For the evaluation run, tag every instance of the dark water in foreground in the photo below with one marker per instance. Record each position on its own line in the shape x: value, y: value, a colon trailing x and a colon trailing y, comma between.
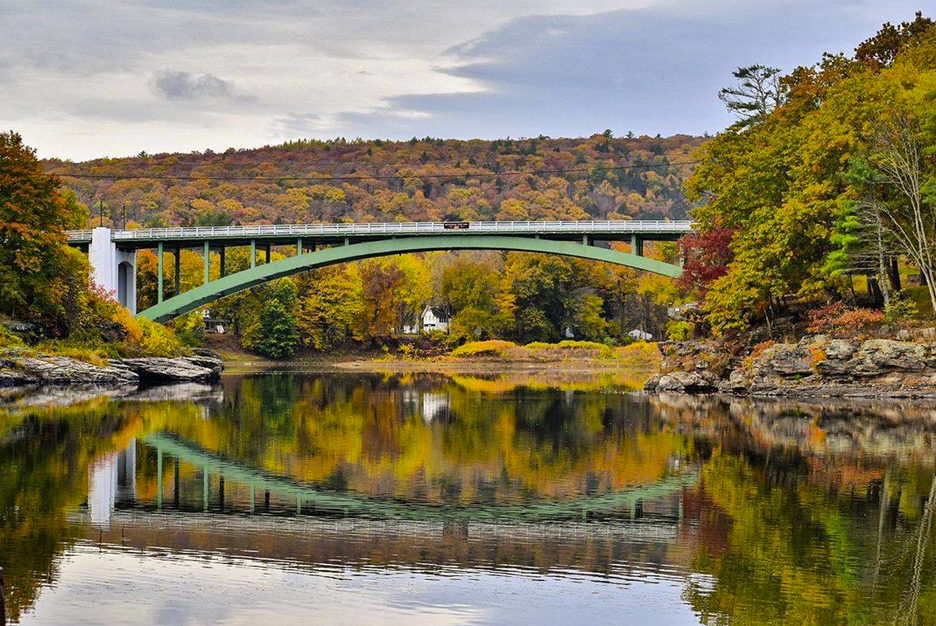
x: 367, y: 499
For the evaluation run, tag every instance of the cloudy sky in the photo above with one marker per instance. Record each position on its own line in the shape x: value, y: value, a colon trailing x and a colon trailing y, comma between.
x: 88, y: 78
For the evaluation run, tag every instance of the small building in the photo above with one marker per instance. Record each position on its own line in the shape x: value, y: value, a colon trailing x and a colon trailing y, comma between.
x: 434, y: 318
x: 639, y: 335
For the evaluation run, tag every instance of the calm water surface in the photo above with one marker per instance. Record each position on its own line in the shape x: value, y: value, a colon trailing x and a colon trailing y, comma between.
x: 425, y: 499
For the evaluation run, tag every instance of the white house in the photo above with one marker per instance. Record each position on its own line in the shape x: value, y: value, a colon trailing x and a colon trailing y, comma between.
x: 434, y: 318
x: 639, y: 335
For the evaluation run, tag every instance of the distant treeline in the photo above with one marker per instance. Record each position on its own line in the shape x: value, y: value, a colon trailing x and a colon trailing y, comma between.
x: 600, y: 177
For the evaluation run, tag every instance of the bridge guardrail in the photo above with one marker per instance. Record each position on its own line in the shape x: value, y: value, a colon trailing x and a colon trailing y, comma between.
x: 397, y: 228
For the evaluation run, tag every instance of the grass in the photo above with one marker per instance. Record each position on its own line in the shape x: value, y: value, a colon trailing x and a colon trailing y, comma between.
x: 640, y: 355
x: 79, y: 353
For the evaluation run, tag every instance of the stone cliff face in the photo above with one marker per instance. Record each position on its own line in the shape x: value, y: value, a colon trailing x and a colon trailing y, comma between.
x: 18, y: 369
x: 816, y: 366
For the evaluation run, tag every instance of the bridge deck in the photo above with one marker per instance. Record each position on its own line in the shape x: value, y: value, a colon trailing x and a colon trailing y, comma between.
x: 281, y: 234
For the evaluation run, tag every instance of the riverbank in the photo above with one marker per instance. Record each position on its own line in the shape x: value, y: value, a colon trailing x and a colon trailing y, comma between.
x: 498, y: 356
x: 478, y: 357
x: 813, y: 366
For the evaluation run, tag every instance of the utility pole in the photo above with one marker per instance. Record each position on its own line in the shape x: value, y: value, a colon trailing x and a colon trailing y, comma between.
x: 101, y: 211
x: 124, y: 227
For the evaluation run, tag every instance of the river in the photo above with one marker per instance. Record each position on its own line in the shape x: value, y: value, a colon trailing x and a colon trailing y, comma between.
x: 340, y: 498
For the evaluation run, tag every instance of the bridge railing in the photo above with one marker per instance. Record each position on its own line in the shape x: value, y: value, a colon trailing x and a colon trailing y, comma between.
x: 400, y: 228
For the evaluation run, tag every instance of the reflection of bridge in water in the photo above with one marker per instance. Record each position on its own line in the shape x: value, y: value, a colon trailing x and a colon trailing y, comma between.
x: 620, y: 534
x: 366, y: 506
x: 105, y: 478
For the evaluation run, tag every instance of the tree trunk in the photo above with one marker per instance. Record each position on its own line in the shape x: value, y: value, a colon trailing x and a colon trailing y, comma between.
x: 875, y: 291
x: 894, y: 273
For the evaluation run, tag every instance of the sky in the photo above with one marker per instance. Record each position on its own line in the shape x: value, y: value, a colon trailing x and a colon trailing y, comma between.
x: 81, y: 79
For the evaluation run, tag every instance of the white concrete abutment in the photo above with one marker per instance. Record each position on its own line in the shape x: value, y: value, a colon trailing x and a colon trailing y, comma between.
x: 113, y: 269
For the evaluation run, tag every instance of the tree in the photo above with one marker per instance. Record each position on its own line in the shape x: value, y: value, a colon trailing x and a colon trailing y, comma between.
x: 782, y: 185
x: 393, y: 289
x: 33, y: 215
x: 552, y: 294
x: 278, y: 334
x: 897, y: 152
x: 707, y: 255
x: 756, y: 94
x: 329, y: 307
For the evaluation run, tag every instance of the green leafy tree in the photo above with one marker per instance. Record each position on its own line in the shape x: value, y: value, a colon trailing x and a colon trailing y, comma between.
x: 278, y: 335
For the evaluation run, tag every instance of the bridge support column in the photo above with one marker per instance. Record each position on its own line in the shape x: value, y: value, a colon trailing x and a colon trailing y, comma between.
x: 269, y: 253
x: 159, y: 272
x: 253, y: 253
x: 223, y: 268
x: 299, y: 246
x: 636, y: 245
x: 586, y: 240
x: 207, y: 261
x: 113, y: 269
x: 178, y: 271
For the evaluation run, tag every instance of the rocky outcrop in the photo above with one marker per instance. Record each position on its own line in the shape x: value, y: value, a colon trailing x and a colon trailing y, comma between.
x: 17, y: 370
x: 814, y: 366
x: 683, y: 382
x: 21, y: 369
x: 182, y: 369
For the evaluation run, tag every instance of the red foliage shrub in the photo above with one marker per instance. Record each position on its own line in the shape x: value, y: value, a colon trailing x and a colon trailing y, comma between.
x: 839, y: 320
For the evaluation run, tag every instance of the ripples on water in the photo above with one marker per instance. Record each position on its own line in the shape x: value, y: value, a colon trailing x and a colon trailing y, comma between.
x: 369, y: 499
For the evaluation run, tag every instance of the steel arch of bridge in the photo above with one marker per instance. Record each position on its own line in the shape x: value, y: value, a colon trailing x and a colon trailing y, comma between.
x: 234, y: 283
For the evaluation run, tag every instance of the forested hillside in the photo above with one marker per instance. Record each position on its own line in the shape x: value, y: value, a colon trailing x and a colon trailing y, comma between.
x: 601, y: 177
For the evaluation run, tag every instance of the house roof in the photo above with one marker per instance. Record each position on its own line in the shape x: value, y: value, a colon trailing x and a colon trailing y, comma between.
x: 439, y: 312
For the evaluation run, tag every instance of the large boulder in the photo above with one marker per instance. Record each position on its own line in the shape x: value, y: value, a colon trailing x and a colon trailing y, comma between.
x: 686, y: 382
x: 159, y: 369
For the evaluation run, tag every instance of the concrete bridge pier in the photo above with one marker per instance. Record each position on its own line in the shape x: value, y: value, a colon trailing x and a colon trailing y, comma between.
x: 113, y: 269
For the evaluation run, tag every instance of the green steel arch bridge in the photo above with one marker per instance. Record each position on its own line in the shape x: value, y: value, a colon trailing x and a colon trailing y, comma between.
x: 113, y: 252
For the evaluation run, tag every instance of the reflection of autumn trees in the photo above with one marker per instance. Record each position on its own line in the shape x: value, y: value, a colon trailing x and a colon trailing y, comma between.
x: 800, y: 552
x: 44, y: 459
x: 373, y: 435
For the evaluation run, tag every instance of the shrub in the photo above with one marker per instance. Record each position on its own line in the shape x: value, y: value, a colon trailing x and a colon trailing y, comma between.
x: 571, y: 343
x: 158, y: 340
x: 494, y: 347
x: 899, y: 309
x: 8, y: 339
x: 567, y: 349
x: 190, y: 328
x: 678, y: 330
x: 839, y: 320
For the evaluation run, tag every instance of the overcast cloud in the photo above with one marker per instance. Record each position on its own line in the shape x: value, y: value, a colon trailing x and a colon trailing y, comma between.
x: 82, y: 78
